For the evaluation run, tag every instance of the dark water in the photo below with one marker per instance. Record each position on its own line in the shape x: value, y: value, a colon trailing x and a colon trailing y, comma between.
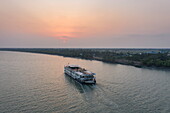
x: 36, y: 83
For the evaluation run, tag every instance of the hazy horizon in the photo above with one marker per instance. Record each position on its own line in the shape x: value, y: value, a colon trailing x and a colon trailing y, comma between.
x: 85, y: 24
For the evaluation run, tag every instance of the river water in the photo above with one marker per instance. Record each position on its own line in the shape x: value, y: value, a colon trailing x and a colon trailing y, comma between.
x: 36, y: 83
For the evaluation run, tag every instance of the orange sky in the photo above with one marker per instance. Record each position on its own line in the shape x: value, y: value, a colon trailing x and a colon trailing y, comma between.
x: 84, y: 22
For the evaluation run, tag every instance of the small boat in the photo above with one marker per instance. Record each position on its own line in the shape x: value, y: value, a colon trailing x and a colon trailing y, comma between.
x: 80, y: 74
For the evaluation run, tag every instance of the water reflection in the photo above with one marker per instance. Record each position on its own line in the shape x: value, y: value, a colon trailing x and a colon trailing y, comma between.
x: 41, y: 86
x: 82, y: 88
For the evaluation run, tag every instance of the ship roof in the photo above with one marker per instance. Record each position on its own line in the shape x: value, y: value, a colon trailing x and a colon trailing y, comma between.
x: 73, y: 65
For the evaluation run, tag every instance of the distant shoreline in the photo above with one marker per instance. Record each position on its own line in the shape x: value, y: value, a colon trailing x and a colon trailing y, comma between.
x: 152, y: 58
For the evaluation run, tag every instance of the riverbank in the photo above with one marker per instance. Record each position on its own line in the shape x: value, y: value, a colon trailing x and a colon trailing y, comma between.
x: 134, y: 57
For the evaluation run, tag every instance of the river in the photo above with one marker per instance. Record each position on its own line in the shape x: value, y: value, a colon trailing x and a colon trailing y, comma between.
x: 36, y: 83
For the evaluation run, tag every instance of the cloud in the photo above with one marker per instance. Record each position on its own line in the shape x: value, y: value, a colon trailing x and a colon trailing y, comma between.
x: 64, y: 39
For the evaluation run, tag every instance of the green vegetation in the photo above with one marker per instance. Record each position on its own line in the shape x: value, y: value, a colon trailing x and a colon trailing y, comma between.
x: 135, y: 57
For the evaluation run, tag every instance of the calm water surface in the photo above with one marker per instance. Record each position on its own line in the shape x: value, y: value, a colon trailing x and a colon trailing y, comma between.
x: 36, y: 83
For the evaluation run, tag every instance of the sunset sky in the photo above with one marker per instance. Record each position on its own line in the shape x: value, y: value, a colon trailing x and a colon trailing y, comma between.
x: 85, y: 23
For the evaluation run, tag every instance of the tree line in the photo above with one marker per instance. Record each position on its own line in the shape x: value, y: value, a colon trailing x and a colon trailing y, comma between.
x: 107, y: 55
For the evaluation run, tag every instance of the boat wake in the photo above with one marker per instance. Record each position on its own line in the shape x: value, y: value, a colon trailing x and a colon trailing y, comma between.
x: 93, y: 94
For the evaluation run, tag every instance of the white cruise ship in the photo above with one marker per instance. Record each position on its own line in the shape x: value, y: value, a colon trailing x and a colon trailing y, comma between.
x: 80, y: 74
